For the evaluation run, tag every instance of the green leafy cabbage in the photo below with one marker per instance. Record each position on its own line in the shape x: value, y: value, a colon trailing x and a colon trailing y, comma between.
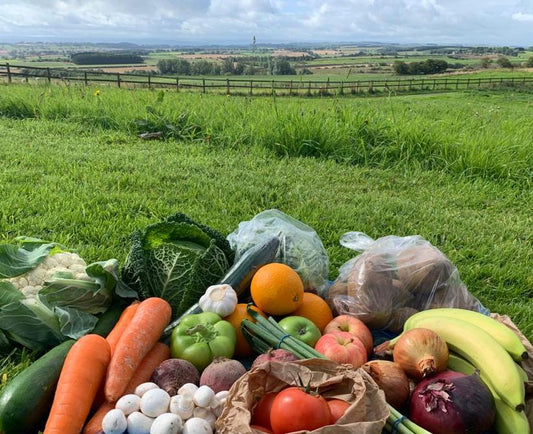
x: 176, y: 259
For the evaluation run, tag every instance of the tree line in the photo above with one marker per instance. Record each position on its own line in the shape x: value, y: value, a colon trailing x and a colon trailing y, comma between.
x: 230, y: 66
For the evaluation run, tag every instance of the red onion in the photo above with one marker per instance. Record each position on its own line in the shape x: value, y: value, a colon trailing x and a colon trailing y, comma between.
x: 453, y: 403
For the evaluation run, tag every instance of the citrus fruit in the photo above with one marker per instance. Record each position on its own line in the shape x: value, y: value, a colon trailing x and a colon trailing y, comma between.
x: 242, y: 347
x: 316, y: 309
x: 277, y: 289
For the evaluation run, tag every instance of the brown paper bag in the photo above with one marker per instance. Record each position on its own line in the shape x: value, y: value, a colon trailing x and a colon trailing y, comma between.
x: 367, y: 413
x: 526, y: 364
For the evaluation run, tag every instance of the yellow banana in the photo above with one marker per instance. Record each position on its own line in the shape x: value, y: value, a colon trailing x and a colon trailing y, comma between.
x: 480, y: 349
x: 500, y: 332
x: 508, y: 420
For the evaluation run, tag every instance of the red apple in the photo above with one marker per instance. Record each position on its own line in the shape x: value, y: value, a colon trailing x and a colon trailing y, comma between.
x: 342, y: 347
x: 353, y: 325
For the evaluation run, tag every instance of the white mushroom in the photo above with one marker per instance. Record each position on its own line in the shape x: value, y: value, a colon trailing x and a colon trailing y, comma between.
x: 139, y: 423
x: 129, y: 403
x: 167, y: 423
x: 114, y: 422
x: 155, y: 402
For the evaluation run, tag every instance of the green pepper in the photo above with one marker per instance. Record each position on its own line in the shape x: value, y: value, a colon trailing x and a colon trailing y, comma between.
x: 200, y: 338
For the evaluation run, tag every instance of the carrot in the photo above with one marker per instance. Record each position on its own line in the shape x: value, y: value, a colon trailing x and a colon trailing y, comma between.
x: 82, y: 372
x: 141, y: 334
x: 157, y: 354
x: 125, y: 318
x: 94, y: 425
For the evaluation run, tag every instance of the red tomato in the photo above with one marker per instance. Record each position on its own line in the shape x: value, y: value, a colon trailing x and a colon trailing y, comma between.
x: 293, y: 410
x: 261, y: 412
x: 337, y: 408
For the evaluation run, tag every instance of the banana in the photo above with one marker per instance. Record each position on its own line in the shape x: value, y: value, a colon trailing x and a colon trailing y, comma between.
x: 500, y: 332
x: 480, y: 349
x: 508, y: 421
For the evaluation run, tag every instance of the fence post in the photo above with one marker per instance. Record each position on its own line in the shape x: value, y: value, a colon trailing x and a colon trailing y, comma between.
x: 272, y: 84
x: 85, y: 78
x: 251, y: 87
x: 149, y: 80
x: 467, y: 83
x: 309, y: 88
x: 118, y: 79
x: 203, y: 85
x: 227, y: 87
x: 8, y: 72
x: 48, y: 75
x: 177, y: 84
x: 290, y: 88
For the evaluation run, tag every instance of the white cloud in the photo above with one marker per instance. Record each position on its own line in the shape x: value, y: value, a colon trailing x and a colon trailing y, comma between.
x: 522, y: 17
x: 503, y: 22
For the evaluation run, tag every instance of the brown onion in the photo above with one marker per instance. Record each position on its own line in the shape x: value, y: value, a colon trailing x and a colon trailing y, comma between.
x: 390, y: 378
x: 421, y: 353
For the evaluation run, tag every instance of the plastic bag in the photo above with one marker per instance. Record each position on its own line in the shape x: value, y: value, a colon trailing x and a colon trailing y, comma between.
x: 394, y: 278
x: 300, y: 245
x: 368, y: 409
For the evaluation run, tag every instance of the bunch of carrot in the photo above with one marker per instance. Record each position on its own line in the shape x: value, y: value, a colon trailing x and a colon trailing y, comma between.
x: 115, y: 365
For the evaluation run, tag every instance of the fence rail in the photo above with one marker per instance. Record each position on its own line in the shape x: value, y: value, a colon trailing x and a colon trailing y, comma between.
x: 236, y: 86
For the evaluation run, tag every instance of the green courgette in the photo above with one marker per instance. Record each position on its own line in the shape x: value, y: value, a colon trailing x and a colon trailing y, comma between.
x: 108, y: 320
x: 27, y: 398
x: 240, y: 273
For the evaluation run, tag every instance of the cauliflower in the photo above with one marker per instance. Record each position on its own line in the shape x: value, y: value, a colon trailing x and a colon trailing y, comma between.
x: 65, y: 262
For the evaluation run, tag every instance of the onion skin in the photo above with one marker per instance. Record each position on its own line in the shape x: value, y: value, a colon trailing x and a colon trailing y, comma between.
x: 421, y: 353
x: 453, y: 403
x: 390, y: 378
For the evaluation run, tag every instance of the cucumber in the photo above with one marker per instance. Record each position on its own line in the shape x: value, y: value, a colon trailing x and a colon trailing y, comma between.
x: 108, y: 320
x: 27, y: 398
x: 240, y: 273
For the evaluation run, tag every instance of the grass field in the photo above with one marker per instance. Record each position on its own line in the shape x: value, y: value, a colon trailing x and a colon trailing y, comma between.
x: 455, y: 168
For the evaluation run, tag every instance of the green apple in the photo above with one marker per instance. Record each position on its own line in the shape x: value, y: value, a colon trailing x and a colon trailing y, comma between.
x: 301, y: 328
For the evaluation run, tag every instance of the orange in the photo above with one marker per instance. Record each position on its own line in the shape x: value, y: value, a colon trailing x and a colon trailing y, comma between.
x: 316, y: 309
x: 277, y: 289
x: 242, y: 347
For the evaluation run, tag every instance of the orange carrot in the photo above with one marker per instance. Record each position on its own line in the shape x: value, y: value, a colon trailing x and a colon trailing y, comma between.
x: 143, y: 331
x: 157, y: 354
x: 125, y: 318
x: 84, y: 367
x: 94, y: 426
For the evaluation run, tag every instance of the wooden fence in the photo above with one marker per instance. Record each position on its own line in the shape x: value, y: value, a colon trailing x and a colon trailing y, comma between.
x: 236, y: 86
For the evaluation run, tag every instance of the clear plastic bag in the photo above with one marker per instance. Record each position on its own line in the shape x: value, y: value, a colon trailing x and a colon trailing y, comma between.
x: 394, y: 278
x: 300, y: 246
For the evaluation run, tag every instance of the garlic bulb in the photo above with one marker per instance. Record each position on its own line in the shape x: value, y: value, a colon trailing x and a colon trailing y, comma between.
x: 220, y: 299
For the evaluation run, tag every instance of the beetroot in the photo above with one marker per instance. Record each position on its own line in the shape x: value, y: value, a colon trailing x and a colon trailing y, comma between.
x: 221, y: 373
x: 279, y: 355
x: 453, y: 403
x: 171, y: 374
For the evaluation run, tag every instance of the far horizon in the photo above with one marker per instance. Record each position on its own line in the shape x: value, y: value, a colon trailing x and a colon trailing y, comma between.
x: 235, y: 22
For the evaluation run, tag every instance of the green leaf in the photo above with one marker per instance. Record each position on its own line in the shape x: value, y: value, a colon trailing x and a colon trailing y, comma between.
x: 15, y: 261
x: 9, y: 293
x: 75, y: 323
x: 31, y: 324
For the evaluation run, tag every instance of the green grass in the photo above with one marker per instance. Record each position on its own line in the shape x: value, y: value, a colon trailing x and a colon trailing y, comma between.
x: 453, y: 168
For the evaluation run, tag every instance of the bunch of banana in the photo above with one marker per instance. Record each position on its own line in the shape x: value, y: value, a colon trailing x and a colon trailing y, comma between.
x: 484, y: 344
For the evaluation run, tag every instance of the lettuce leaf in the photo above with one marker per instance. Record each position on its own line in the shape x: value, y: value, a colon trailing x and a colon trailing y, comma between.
x: 176, y: 259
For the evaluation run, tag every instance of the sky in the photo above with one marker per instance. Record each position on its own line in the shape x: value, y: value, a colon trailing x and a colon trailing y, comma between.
x: 184, y: 22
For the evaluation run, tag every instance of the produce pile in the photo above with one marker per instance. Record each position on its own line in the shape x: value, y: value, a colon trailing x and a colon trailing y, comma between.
x: 201, y: 333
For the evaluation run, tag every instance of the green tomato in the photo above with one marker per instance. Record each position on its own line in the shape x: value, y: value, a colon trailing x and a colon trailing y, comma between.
x: 301, y: 328
x: 199, y: 338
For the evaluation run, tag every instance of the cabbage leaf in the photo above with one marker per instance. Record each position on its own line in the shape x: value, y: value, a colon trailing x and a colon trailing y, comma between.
x: 176, y: 259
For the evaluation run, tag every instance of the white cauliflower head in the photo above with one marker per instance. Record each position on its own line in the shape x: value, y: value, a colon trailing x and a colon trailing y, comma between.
x: 32, y: 282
